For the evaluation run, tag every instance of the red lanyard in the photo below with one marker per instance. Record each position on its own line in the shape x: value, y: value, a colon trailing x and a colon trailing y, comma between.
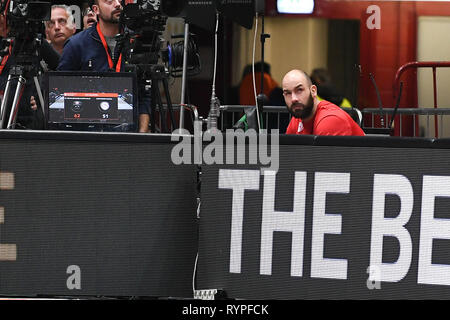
x: 105, y: 45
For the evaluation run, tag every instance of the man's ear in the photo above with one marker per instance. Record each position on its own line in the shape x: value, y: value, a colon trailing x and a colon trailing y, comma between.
x: 95, y: 8
x: 313, y: 91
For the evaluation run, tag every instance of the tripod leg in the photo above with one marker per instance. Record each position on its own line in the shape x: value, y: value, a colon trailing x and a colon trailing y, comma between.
x: 160, y: 107
x: 15, y: 106
x: 152, y: 111
x: 5, y: 102
x: 169, y: 103
x: 39, y: 92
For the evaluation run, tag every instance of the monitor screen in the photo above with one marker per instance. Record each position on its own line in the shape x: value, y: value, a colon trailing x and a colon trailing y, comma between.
x: 295, y: 6
x: 91, y: 98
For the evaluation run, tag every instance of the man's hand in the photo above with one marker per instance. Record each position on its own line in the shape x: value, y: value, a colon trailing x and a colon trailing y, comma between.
x: 144, y: 120
x: 33, y: 103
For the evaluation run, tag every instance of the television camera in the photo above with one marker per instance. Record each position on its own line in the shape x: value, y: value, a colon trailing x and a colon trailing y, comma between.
x: 24, y: 38
x: 25, y: 28
x: 141, y: 42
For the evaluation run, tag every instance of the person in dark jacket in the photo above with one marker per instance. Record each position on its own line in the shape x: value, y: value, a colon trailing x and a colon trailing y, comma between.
x: 94, y: 49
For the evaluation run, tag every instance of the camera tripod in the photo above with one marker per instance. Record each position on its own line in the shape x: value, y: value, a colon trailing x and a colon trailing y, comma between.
x: 155, y: 76
x: 22, y: 74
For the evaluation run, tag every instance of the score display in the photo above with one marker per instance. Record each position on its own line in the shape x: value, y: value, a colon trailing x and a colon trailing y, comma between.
x: 81, y: 106
x: 83, y: 97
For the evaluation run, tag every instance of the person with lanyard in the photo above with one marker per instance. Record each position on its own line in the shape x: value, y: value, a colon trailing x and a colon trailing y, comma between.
x: 94, y: 49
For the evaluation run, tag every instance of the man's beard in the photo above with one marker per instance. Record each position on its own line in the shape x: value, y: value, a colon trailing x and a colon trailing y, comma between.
x: 110, y: 19
x: 306, y: 110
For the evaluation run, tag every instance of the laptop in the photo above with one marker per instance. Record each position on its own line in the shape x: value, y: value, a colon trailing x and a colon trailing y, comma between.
x: 92, y: 101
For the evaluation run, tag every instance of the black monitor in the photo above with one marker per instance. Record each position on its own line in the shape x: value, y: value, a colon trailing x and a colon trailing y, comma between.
x: 95, y: 101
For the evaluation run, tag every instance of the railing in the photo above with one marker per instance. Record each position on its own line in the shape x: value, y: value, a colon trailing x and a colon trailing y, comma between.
x: 230, y: 114
x: 278, y: 117
x: 416, y: 113
x: 175, y: 108
x: 422, y: 64
x: 274, y: 117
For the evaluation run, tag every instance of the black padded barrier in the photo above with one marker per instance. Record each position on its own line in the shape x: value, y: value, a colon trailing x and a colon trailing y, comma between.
x: 95, y: 214
x: 109, y: 214
x: 342, y: 218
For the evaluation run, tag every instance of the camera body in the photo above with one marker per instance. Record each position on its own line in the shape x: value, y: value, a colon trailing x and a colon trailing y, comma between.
x: 147, y: 23
x: 26, y: 17
x: 25, y: 28
x: 147, y: 19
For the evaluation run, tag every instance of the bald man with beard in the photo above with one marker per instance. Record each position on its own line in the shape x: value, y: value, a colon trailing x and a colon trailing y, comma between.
x: 311, y: 116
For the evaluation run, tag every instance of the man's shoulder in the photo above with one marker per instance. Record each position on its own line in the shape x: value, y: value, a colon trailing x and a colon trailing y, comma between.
x: 81, y: 37
x: 327, y: 105
x: 325, y: 108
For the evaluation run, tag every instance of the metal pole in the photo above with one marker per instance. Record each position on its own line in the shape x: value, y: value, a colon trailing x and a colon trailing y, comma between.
x: 15, y: 106
x: 39, y: 92
x: 5, y: 101
x: 183, y: 78
x: 435, y: 103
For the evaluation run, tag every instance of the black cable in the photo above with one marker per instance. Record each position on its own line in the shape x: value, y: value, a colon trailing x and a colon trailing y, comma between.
x: 177, y: 56
x: 397, y: 104
x: 380, y: 104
